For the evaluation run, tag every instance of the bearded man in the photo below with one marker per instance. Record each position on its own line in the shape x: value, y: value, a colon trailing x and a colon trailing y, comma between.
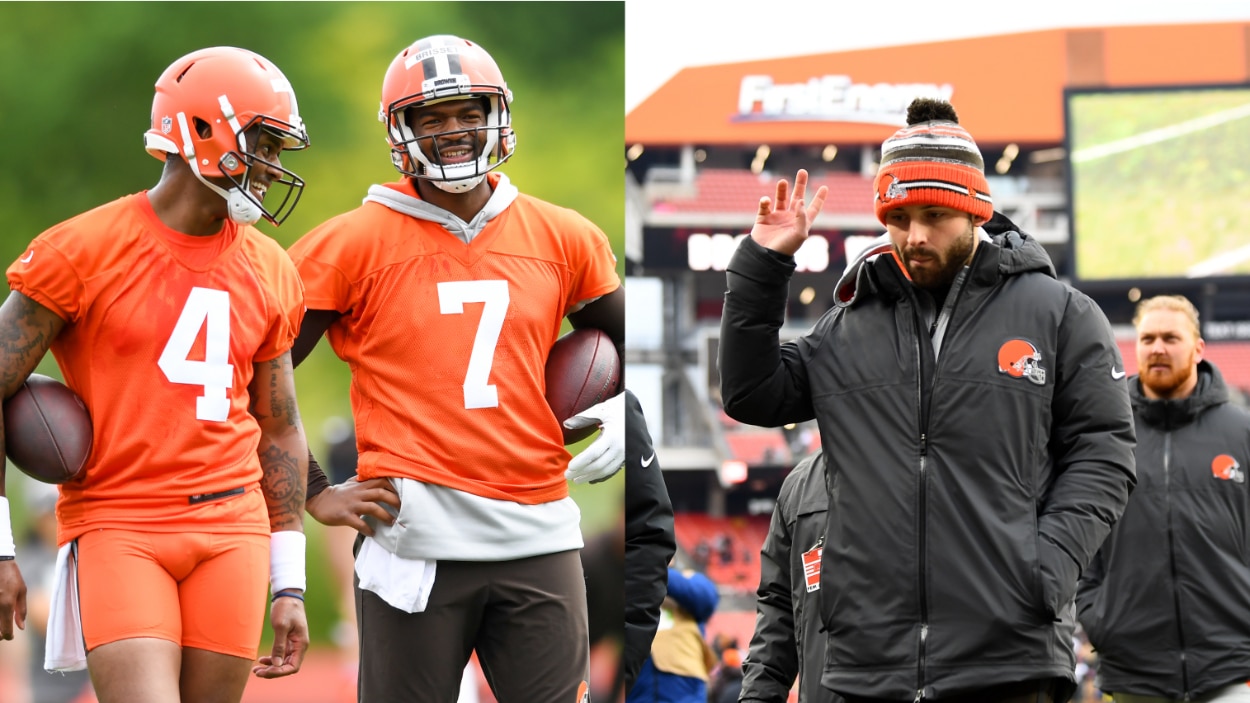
x: 1166, y: 601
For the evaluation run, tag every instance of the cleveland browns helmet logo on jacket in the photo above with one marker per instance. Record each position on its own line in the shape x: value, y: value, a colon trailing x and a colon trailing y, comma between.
x: 1020, y: 359
x: 1227, y: 468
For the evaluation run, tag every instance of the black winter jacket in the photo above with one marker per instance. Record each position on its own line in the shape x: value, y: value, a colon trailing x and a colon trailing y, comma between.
x: 972, y: 486
x: 649, y: 541
x: 788, y: 642
x: 1166, y: 601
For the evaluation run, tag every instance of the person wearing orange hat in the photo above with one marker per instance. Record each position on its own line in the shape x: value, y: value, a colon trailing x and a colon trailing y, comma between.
x: 981, y: 437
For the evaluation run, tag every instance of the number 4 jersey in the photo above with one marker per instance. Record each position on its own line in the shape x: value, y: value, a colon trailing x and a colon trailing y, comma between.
x: 448, y: 340
x: 162, y: 331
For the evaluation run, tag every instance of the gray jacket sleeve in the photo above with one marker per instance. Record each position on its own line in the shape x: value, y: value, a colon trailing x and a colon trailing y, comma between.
x: 1092, y: 441
x: 772, y: 662
x: 763, y: 382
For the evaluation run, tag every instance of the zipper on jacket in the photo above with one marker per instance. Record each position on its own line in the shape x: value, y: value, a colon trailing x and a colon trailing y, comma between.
x: 921, y: 537
x: 1176, y: 597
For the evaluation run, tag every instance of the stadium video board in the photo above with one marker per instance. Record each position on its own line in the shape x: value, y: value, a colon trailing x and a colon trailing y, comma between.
x: 1159, y: 182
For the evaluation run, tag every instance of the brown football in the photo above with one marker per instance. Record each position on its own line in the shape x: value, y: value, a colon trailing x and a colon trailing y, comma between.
x: 47, y: 431
x: 583, y: 369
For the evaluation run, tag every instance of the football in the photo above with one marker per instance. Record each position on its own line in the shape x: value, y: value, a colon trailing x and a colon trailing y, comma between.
x: 583, y: 369
x: 47, y: 431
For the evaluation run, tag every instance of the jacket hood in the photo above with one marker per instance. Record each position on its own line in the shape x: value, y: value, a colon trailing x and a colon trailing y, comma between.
x: 1210, y: 391
x: 1006, y: 251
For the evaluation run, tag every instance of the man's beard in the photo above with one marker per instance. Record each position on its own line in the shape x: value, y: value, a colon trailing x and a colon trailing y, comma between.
x: 1165, y: 383
x: 940, y: 269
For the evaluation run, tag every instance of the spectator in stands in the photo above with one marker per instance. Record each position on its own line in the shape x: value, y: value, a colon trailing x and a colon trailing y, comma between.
x: 681, y: 660
x: 1166, y: 601
x: 979, y: 417
x: 725, y: 548
x: 650, y: 542
x: 726, y: 684
x: 702, y: 554
x: 788, y: 642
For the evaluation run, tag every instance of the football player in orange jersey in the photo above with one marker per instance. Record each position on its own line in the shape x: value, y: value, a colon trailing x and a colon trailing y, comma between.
x: 444, y: 292
x: 173, y: 319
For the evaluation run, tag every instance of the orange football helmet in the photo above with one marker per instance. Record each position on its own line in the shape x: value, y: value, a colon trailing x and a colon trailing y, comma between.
x: 438, y: 68
x: 206, y: 106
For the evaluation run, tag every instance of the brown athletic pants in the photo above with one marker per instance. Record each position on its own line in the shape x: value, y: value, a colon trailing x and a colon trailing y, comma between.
x: 526, y: 619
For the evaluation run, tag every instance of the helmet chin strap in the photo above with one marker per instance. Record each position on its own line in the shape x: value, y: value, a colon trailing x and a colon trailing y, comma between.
x: 461, y: 186
x: 241, y: 208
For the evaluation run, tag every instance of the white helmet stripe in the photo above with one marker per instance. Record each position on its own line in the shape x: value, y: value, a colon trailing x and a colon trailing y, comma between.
x: 282, y: 85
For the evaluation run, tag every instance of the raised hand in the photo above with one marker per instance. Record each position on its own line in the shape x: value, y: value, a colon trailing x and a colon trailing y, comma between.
x: 782, y: 223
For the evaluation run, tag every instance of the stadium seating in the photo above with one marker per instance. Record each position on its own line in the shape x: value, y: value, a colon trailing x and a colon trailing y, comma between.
x: 737, y: 191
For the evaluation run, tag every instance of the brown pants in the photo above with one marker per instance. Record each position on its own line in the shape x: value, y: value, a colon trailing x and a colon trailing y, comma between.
x: 526, y: 619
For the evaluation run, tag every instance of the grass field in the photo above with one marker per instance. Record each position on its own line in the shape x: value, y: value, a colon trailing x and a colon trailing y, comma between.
x: 1161, y: 183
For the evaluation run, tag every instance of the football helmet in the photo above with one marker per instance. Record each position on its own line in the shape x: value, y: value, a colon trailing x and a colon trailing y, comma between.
x: 435, y: 69
x: 211, y: 107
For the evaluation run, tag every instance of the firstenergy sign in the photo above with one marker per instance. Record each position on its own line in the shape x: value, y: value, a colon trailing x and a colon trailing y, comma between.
x: 831, y: 98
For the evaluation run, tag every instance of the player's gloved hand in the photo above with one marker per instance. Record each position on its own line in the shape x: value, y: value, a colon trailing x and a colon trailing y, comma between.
x: 606, y: 455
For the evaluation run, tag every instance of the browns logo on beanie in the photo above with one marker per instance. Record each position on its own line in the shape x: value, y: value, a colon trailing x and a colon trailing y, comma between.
x: 932, y: 161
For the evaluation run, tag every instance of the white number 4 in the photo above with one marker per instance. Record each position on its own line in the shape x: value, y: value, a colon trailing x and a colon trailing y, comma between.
x: 209, y: 308
x: 452, y: 295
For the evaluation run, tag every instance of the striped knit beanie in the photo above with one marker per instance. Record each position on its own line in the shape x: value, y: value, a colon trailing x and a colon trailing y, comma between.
x: 932, y: 161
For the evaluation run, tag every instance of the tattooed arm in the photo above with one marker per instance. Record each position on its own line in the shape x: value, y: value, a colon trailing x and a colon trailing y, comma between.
x: 284, y: 459
x: 283, y: 448
x: 26, y: 331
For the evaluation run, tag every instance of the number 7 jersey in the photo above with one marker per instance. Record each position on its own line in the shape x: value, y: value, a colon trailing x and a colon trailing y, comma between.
x: 162, y: 330
x: 447, y: 341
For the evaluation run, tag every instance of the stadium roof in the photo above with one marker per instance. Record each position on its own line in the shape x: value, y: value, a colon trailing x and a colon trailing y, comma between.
x: 1007, y: 88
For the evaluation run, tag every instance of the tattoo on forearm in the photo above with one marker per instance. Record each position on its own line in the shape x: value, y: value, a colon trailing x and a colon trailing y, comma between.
x: 25, y: 342
x: 284, y: 486
x: 283, y: 376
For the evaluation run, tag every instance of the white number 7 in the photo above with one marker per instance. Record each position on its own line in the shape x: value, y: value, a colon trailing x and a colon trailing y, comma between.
x: 452, y: 296
x: 205, y: 307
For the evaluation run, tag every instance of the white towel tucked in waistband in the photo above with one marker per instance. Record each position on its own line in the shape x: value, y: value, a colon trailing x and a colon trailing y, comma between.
x: 65, y: 649
x: 403, y: 583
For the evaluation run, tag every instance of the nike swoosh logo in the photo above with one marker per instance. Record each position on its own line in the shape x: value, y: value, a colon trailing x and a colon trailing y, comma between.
x: 647, y: 462
x: 26, y: 259
x: 1117, y: 375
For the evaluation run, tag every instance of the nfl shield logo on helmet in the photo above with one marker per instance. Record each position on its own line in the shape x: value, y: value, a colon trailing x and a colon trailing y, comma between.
x: 167, y: 124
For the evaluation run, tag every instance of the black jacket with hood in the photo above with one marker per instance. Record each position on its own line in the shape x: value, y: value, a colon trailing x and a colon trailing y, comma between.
x: 982, y: 454
x: 788, y: 642
x: 1166, y: 601
x: 649, y: 541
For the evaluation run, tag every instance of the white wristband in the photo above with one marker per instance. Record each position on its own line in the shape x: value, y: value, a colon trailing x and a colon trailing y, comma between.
x: 6, y: 530
x: 286, y: 560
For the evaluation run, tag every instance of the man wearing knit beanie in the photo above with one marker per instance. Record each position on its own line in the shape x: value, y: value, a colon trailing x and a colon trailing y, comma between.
x: 932, y: 172
x: 976, y: 418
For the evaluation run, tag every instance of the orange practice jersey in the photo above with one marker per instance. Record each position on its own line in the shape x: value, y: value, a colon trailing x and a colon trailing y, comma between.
x: 162, y: 331
x: 447, y: 342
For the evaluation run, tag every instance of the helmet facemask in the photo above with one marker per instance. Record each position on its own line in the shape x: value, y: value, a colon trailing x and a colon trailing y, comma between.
x: 493, y: 144
x: 237, y: 166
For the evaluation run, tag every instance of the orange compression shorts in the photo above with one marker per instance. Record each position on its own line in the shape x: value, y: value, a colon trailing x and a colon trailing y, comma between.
x: 195, y: 589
